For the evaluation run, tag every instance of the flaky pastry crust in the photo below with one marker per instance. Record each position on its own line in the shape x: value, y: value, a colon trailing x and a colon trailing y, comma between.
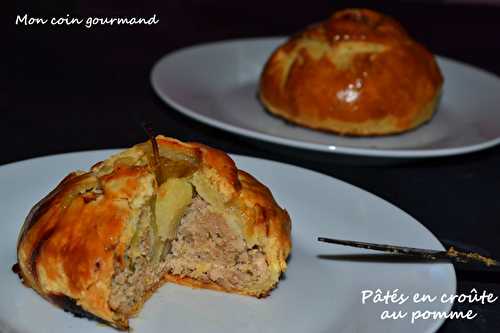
x: 357, y: 73
x: 73, y: 239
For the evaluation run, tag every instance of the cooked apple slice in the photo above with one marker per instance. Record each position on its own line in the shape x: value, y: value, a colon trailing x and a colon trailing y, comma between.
x: 173, y: 197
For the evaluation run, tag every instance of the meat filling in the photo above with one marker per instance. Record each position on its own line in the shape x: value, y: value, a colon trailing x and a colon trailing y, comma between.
x: 206, y: 248
x: 132, y: 283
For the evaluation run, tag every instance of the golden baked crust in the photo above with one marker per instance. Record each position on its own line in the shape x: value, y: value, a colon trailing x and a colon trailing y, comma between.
x: 74, y: 239
x: 358, y: 73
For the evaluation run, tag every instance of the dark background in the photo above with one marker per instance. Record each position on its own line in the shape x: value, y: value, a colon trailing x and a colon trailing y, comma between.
x: 72, y: 89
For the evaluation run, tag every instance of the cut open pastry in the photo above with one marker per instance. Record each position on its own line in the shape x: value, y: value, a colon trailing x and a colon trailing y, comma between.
x: 103, y: 241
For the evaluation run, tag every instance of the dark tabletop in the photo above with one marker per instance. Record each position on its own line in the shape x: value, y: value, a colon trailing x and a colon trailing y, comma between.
x: 72, y: 89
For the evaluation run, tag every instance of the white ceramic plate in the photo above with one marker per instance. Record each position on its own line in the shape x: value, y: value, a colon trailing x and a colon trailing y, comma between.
x: 316, y: 295
x: 217, y: 85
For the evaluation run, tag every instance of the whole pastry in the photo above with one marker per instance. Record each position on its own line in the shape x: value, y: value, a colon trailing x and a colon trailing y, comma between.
x: 357, y: 73
x: 103, y: 241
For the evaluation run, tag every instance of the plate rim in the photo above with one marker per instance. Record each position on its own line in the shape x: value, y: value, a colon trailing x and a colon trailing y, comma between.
x: 434, y: 325
x: 369, y: 152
